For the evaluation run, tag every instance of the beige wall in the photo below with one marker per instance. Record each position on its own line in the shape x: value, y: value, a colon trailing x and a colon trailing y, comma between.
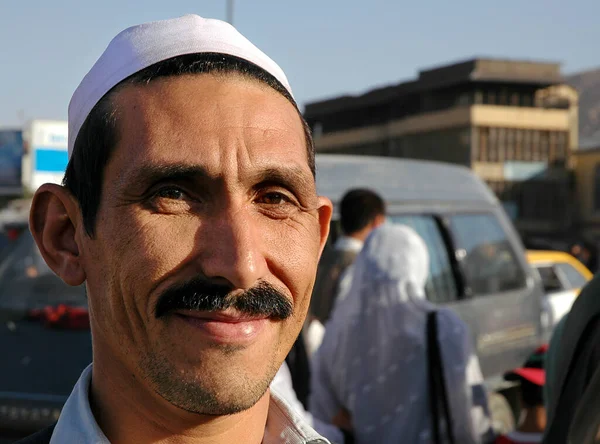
x: 477, y: 115
x: 489, y: 170
x: 521, y: 118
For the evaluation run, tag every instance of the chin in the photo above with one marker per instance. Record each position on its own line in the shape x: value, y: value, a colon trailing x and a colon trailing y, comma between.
x: 221, y: 383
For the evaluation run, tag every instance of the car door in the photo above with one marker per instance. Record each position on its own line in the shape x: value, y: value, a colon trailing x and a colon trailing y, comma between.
x: 557, y: 290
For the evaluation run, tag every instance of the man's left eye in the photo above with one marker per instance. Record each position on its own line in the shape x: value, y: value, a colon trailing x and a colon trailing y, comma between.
x: 275, y: 198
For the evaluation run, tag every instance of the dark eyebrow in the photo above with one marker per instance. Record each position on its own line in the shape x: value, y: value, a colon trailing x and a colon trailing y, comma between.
x: 150, y: 174
x: 291, y: 177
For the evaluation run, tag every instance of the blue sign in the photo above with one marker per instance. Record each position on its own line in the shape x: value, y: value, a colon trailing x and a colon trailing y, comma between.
x: 11, y: 154
x: 51, y: 160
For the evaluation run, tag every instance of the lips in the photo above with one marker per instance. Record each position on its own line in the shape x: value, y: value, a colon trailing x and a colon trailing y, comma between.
x: 228, y: 327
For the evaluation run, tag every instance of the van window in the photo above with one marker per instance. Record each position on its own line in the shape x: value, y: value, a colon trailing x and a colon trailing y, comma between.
x: 489, y: 262
x: 440, y: 286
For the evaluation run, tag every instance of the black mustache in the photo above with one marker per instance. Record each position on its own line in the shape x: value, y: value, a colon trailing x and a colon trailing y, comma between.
x: 199, y: 295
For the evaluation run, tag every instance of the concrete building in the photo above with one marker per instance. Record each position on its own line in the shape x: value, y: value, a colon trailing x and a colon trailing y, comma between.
x: 586, y: 165
x: 513, y: 122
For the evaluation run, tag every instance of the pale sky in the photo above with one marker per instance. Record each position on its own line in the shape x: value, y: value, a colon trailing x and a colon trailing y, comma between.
x: 326, y: 48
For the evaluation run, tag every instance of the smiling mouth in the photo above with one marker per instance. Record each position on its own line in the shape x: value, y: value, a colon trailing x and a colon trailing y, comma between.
x: 227, y: 327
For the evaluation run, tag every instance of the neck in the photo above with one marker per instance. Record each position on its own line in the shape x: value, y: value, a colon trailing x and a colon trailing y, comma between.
x: 128, y: 411
x: 359, y: 235
x: 534, y: 420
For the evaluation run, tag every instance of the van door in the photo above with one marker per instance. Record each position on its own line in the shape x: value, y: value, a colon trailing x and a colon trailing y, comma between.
x: 504, y: 307
x: 475, y: 270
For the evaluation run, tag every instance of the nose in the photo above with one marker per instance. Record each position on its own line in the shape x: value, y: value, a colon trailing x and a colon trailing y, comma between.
x: 233, y: 250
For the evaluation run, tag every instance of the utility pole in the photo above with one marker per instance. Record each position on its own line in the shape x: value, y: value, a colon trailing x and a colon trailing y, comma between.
x: 230, y: 11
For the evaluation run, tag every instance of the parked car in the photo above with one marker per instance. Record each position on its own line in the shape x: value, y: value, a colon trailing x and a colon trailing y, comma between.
x: 40, y: 363
x: 562, y: 278
x: 478, y: 266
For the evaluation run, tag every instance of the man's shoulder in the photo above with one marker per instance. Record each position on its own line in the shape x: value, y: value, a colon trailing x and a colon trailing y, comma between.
x: 41, y: 437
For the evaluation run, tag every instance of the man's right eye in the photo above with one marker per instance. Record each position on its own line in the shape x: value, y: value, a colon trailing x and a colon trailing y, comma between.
x: 173, y: 193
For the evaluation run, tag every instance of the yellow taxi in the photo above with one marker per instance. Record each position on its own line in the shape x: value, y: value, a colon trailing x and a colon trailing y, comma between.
x: 562, y: 277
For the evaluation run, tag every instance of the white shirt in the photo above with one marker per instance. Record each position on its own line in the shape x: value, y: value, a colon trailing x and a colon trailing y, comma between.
x: 346, y: 243
x: 78, y: 425
x: 282, y: 383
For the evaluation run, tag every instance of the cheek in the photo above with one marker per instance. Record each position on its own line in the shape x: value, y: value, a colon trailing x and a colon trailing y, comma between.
x: 139, y: 251
x: 293, y: 257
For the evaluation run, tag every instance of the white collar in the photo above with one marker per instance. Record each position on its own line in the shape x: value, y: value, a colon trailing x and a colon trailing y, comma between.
x: 347, y: 243
x: 77, y: 422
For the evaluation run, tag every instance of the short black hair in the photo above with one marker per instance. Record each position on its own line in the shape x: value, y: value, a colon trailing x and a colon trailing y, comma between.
x: 97, y: 137
x: 531, y: 394
x: 359, y: 207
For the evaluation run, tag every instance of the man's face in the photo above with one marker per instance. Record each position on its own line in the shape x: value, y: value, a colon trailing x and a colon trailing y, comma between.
x: 208, y: 191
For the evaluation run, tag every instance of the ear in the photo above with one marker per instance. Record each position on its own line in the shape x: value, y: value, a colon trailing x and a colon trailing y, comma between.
x: 325, y: 213
x: 53, y: 222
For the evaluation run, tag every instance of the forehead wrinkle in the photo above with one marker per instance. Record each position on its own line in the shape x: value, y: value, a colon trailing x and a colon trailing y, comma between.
x: 285, y: 134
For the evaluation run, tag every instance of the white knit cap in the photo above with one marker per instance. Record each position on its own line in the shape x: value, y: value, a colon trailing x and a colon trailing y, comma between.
x: 141, y: 46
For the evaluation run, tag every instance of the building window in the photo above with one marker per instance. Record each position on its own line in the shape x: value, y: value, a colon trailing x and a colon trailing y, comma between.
x: 544, y: 145
x: 463, y: 99
x: 503, y: 97
x: 493, y: 148
x: 562, y: 146
x: 514, y: 99
x: 597, y: 189
x: 484, y: 141
x: 501, y: 144
x: 552, y: 147
x: 510, y: 144
x: 527, y: 142
x: 535, y: 147
x: 479, y: 97
x: 519, y: 144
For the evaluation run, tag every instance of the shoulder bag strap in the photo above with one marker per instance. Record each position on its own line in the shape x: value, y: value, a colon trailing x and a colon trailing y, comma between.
x: 437, y: 383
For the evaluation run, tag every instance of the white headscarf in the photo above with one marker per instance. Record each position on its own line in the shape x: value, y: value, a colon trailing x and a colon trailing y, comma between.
x: 373, y: 360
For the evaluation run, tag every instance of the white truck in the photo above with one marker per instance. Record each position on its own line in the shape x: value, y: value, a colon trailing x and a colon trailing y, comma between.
x: 45, y: 154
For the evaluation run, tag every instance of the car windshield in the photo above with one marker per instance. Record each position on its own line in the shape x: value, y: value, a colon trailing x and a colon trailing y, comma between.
x: 26, y: 282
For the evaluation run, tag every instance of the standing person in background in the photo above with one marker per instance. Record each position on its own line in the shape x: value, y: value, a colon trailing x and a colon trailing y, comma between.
x: 584, y: 253
x: 532, y: 378
x: 376, y: 361
x: 361, y: 211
